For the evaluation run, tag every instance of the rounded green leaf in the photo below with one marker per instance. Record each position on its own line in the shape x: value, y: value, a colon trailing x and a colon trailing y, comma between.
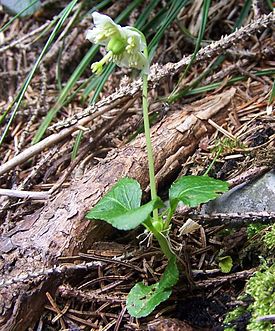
x: 225, y: 264
x: 121, y: 208
x: 142, y: 299
x: 194, y: 190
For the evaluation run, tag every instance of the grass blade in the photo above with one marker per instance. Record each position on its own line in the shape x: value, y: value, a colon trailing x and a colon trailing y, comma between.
x: 27, y: 81
x: 231, y: 81
x: 186, y: 91
x: 205, y: 10
x: 140, y: 22
x: 17, y: 15
x: 77, y: 144
x: 171, y: 15
x: 243, y: 14
x: 270, y: 4
x: 107, y: 72
x: 71, y: 82
x: 272, y: 94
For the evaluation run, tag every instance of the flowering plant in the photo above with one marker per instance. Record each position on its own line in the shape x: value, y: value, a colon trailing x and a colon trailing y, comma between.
x: 121, y: 206
x: 126, y: 46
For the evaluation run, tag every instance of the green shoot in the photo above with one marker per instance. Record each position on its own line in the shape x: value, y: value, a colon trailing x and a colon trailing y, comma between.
x: 225, y: 264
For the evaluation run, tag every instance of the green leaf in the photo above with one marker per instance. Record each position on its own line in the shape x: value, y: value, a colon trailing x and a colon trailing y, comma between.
x: 225, y: 264
x: 142, y: 299
x: 121, y: 208
x: 194, y: 190
x: 171, y: 274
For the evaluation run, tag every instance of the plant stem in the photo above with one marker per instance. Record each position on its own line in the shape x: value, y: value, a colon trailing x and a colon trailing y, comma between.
x: 168, y: 218
x: 213, y: 161
x: 164, y: 245
x: 148, y: 140
x: 162, y: 240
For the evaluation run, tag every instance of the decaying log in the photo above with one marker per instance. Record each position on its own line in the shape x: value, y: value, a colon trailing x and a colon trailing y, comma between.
x: 60, y: 227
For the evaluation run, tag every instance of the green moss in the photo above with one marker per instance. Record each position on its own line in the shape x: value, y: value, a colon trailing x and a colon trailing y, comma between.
x: 226, y: 145
x: 254, y: 228
x: 260, y: 289
x: 233, y: 317
x: 269, y: 238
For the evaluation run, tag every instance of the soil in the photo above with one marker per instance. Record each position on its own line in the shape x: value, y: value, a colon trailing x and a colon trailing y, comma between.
x: 241, y: 145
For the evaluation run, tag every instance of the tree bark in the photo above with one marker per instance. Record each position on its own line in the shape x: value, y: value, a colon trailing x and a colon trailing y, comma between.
x: 60, y: 227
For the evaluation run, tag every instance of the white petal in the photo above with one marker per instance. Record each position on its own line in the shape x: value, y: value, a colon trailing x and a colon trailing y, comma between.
x: 142, y: 63
x: 105, y: 22
x: 126, y: 61
x: 92, y: 36
x: 122, y: 61
x: 138, y: 38
x: 101, y: 20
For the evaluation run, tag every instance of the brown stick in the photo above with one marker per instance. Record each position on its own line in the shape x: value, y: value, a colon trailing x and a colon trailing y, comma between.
x: 157, y: 73
x: 60, y: 228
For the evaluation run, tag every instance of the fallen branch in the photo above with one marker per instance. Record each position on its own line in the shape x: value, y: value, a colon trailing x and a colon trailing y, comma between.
x: 60, y: 229
x: 24, y: 194
x: 157, y: 74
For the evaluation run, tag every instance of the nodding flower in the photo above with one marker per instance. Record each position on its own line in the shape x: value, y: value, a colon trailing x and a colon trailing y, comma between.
x: 126, y: 46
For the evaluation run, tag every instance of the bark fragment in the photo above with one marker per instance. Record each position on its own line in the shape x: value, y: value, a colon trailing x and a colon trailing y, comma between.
x: 60, y: 227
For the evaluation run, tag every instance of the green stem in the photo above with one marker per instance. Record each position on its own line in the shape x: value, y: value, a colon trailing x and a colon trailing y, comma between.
x: 148, y: 139
x: 169, y: 217
x: 164, y: 245
x: 213, y: 161
x: 163, y: 241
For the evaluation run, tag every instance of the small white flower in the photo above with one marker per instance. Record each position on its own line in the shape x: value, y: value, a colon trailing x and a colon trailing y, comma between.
x: 126, y: 46
x: 103, y: 30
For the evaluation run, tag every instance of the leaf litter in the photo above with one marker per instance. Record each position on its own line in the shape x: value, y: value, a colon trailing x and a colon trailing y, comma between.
x: 96, y: 299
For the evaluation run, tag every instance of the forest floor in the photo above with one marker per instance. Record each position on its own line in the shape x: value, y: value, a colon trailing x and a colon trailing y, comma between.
x: 239, y: 149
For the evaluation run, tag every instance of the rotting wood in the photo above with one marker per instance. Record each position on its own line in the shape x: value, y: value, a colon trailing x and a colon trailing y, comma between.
x: 60, y: 229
